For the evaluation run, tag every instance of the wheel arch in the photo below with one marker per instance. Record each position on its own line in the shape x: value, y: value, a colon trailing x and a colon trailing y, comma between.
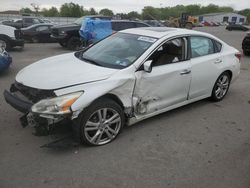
x: 229, y: 72
x: 114, y: 98
x: 7, y: 40
x: 2, y: 36
x: 212, y: 97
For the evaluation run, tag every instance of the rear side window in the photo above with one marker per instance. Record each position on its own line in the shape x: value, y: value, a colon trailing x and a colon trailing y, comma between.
x: 218, y: 46
x: 140, y: 25
x: 118, y: 26
x: 201, y: 46
x: 28, y: 20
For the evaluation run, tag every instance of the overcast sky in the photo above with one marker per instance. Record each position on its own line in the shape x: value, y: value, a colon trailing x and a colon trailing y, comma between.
x: 120, y: 5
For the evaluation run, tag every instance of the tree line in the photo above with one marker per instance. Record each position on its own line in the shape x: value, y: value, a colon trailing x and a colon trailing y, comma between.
x: 148, y: 12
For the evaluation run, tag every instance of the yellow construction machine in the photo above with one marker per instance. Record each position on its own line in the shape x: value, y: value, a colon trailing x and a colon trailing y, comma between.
x: 185, y: 21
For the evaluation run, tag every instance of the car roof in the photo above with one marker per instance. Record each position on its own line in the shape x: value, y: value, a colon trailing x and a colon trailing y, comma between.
x: 37, y: 25
x: 42, y: 24
x: 131, y: 21
x: 159, y: 32
x: 127, y: 21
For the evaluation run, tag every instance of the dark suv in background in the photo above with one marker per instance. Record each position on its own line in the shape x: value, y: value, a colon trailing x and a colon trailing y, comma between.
x: 23, y: 22
x: 246, y: 44
x: 68, y: 35
x: 237, y: 27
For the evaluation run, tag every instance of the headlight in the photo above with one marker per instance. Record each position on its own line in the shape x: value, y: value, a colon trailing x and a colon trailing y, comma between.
x: 57, y: 106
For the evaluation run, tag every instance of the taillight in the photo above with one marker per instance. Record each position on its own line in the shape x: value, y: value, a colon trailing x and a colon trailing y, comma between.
x: 238, y: 55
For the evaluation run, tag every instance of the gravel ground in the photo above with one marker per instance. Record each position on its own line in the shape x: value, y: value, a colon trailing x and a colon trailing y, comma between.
x: 200, y: 145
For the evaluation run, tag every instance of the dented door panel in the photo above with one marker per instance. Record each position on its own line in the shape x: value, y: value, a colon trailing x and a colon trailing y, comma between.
x: 163, y: 87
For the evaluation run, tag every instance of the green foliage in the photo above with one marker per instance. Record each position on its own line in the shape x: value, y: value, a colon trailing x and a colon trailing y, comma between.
x: 133, y: 15
x: 92, y: 11
x: 26, y: 10
x: 106, y: 12
x: 151, y: 13
x: 52, y: 12
x: 148, y: 13
x: 176, y: 11
x: 71, y: 10
x: 245, y: 12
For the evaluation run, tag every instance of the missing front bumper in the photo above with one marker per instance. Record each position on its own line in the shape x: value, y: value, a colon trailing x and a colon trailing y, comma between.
x: 43, y: 125
x: 17, y: 103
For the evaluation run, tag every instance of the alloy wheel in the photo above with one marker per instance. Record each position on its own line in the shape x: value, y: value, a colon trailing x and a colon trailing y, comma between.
x: 3, y: 44
x: 222, y: 86
x: 102, y: 126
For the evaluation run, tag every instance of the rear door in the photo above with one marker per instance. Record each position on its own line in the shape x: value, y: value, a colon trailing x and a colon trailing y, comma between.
x: 205, y: 63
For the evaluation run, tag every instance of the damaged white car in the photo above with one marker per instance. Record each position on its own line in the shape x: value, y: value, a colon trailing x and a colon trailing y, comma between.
x: 130, y: 76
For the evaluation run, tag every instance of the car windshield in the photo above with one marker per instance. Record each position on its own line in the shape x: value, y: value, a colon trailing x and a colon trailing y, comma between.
x: 118, y: 51
x: 79, y: 21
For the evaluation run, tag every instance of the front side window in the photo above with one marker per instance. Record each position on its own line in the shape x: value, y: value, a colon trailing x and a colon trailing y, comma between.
x: 42, y: 28
x: 118, y: 51
x: 19, y: 21
x: 36, y: 21
x: 201, y: 46
x: 172, y: 51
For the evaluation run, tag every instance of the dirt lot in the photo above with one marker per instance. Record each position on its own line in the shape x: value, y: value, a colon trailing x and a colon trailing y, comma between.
x: 200, y: 145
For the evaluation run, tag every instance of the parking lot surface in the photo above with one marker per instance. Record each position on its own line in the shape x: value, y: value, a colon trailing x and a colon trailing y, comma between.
x: 204, y: 144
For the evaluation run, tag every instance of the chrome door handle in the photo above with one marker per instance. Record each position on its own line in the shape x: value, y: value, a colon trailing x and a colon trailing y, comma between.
x: 217, y: 61
x: 185, y: 72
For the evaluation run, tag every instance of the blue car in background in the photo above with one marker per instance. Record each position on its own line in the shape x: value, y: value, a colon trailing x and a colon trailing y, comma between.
x: 5, y: 60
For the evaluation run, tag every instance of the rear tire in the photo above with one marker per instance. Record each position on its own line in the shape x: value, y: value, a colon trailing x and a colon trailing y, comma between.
x: 100, y: 123
x: 221, y: 87
x: 63, y: 44
x: 246, y: 53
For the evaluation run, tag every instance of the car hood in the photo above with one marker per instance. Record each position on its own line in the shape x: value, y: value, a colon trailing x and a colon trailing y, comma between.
x: 61, y: 71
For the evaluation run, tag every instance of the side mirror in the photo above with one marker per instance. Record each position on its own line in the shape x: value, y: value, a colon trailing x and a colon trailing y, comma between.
x: 148, y: 66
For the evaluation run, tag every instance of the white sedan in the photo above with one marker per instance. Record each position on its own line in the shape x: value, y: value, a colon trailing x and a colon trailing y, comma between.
x: 130, y: 76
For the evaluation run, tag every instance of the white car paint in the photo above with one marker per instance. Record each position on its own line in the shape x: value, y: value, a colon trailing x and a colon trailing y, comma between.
x: 63, y: 71
x: 7, y: 30
x: 142, y: 94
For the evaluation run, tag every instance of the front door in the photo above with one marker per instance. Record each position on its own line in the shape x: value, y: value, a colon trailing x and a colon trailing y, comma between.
x: 169, y: 81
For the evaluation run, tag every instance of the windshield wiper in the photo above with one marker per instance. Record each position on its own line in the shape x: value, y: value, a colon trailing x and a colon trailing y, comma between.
x: 90, y: 61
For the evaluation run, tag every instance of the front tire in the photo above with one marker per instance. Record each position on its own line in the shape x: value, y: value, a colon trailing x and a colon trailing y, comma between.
x: 100, y: 123
x: 74, y: 43
x: 4, y: 43
x: 35, y: 40
x: 221, y: 87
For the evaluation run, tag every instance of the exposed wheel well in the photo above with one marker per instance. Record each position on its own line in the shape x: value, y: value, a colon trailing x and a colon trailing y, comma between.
x: 4, y: 36
x: 114, y: 98
x: 230, y: 73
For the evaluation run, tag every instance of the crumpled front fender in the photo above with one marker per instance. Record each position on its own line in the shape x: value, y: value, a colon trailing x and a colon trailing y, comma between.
x: 121, y: 86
